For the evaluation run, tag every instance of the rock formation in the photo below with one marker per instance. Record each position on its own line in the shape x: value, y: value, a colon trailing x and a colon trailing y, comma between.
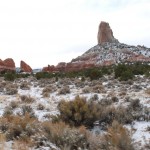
x: 49, y: 68
x: 9, y: 62
x: 108, y: 52
x: 25, y: 67
x: 105, y: 33
x: 7, y: 65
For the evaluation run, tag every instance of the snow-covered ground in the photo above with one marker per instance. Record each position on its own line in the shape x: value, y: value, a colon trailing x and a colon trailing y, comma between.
x: 112, y: 87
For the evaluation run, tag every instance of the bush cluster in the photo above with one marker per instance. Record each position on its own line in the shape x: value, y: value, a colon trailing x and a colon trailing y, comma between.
x: 127, y: 71
x: 81, y: 112
x: 78, y: 112
x: 28, y: 131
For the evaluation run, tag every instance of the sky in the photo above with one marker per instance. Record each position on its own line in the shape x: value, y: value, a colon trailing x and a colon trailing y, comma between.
x: 43, y: 32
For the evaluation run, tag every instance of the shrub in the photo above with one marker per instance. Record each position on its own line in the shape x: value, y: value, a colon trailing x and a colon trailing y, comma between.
x: 98, y: 89
x: 64, y: 136
x: 117, y: 138
x: 123, y: 116
x: 148, y: 128
x: 147, y: 91
x: 46, y: 91
x: 94, y: 97
x: 40, y: 107
x: 78, y: 112
x: 8, y: 111
x: 10, y: 76
x: 126, y: 75
x: 105, y: 102
x: 93, y: 74
x: 123, y: 72
x: 86, y: 90
x: 13, y: 104
x: 11, y: 89
x: 114, y: 99
x: 27, y: 99
x: 46, y: 94
x: 120, y: 114
x: 27, y: 109
x: 25, y: 85
x: 19, y: 127
x: 2, y: 85
x: 135, y: 105
x: 64, y: 90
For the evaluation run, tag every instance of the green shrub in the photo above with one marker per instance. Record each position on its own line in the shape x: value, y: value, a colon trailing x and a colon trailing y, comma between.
x: 10, y: 76
x: 126, y: 75
x: 123, y: 72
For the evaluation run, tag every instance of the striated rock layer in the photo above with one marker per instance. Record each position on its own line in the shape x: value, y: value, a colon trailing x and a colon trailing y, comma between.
x: 25, y: 67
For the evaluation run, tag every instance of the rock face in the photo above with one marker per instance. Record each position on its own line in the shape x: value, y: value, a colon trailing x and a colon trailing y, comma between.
x: 7, y: 65
x: 105, y: 34
x: 25, y: 67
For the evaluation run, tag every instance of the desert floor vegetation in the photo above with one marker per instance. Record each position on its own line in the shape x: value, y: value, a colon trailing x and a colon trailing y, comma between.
x: 94, y: 109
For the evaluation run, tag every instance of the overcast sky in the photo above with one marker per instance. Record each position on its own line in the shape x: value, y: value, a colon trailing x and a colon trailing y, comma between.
x: 43, y: 32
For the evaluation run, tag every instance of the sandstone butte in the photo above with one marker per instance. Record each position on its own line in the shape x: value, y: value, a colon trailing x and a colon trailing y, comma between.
x: 7, y: 65
x: 25, y: 67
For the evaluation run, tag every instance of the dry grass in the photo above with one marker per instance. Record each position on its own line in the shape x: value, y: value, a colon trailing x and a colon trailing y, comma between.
x: 86, y: 89
x: 27, y: 99
x: 117, y: 138
x: 11, y: 89
x: 16, y: 127
x: 98, y: 89
x: 64, y: 90
x: 13, y: 104
x: 2, y: 141
x: 21, y: 145
x: 25, y: 85
x: 40, y: 107
x: 147, y: 91
x: 64, y: 136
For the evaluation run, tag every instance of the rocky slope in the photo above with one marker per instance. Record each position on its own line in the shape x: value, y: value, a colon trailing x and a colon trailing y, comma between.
x: 113, y: 53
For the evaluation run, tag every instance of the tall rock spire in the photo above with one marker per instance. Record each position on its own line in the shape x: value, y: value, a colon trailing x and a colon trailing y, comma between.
x: 105, y: 33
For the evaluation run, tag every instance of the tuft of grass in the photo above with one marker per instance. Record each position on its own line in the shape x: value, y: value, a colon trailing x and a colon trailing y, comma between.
x: 27, y: 99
